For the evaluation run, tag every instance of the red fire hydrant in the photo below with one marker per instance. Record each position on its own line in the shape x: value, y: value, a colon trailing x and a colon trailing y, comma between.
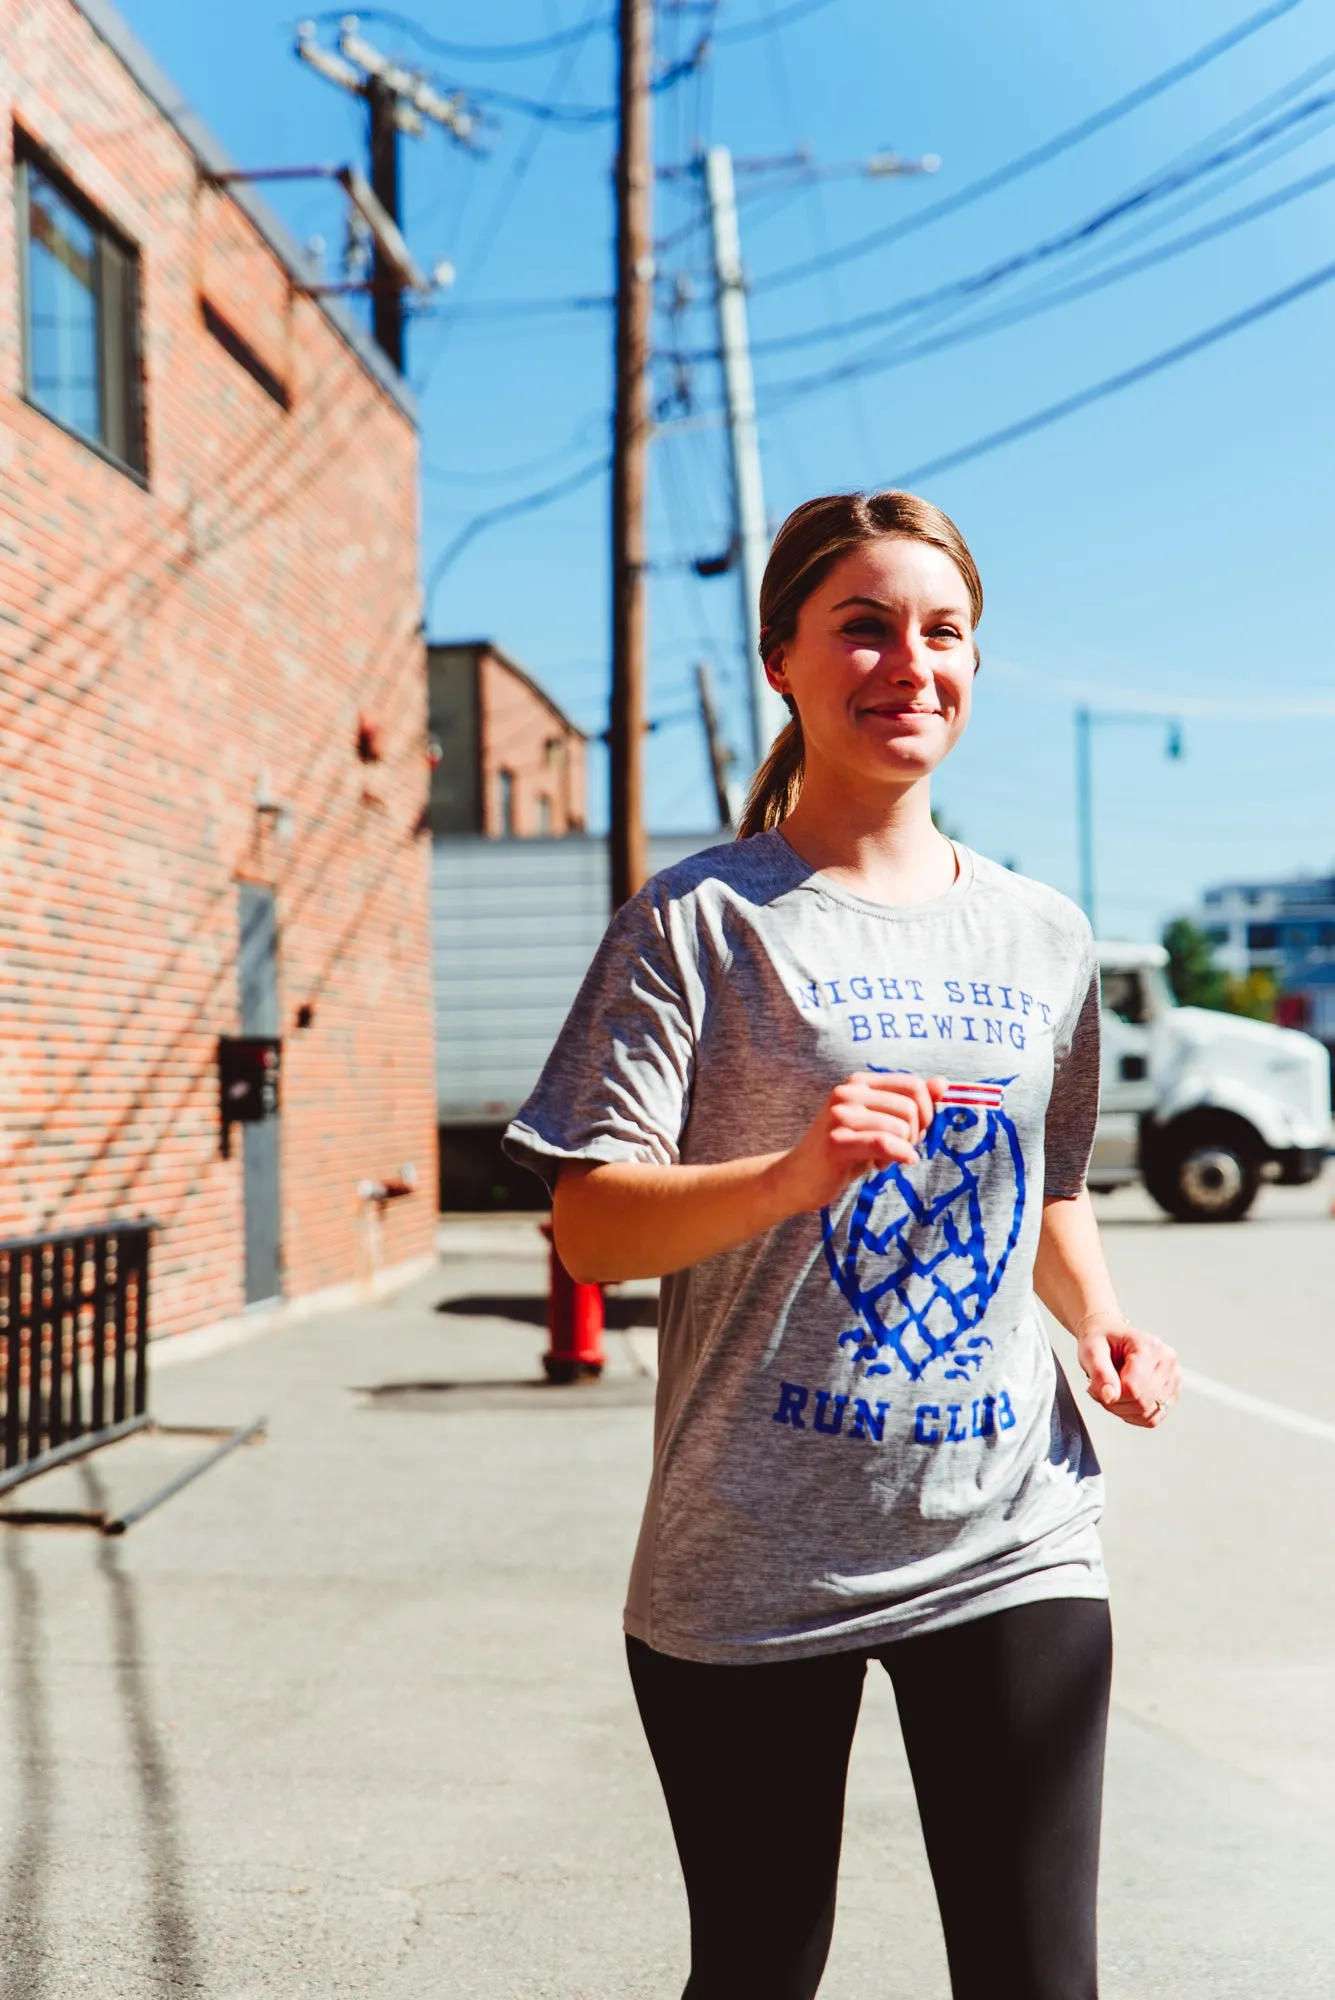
x: 574, y: 1324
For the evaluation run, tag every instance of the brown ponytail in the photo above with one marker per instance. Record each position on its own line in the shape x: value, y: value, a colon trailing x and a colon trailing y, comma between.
x: 811, y: 541
x: 777, y: 785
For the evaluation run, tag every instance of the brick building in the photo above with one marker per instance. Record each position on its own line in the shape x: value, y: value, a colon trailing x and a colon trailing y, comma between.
x: 511, y: 762
x: 213, y: 749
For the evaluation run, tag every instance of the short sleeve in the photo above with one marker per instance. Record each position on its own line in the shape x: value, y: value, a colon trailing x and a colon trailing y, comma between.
x: 617, y: 1083
x: 1073, y: 1108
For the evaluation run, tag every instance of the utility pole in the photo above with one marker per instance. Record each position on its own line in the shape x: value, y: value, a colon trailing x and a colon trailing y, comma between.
x: 383, y: 138
x: 750, y: 537
x: 1085, y: 719
x: 750, y: 527
x: 634, y: 302
x: 397, y: 100
x: 720, y: 756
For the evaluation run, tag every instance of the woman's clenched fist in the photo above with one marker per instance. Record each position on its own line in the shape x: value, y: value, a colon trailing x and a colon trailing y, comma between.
x: 868, y: 1122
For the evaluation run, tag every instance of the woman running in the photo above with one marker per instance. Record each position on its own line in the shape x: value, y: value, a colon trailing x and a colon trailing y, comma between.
x: 836, y: 1083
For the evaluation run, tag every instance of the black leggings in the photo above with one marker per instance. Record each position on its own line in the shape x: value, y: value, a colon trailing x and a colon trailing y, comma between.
x: 1003, y: 1720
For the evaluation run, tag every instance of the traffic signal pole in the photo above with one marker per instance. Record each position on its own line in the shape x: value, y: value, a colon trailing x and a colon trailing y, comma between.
x: 1085, y: 721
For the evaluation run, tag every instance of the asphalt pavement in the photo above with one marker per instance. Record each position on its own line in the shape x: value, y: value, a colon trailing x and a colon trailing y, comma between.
x: 349, y: 1715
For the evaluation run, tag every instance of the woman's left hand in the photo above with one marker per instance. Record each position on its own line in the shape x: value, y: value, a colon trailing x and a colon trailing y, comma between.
x: 1132, y: 1375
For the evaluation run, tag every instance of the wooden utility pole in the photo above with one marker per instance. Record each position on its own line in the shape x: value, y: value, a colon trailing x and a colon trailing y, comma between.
x: 397, y: 100
x: 386, y: 285
x: 720, y: 756
x: 634, y: 306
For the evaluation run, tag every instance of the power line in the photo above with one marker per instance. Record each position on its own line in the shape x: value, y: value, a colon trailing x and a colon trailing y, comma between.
x: 603, y: 114
x: 1078, y: 234
x: 523, y: 159
x: 1040, y: 155
x: 490, y: 310
x: 745, y: 30
x: 694, y: 225
x: 816, y: 217
x: 528, y: 503
x: 500, y: 208
x: 785, y: 191
x: 1096, y: 257
x: 959, y: 292
x: 1126, y: 379
x: 668, y: 39
x: 1131, y: 266
x: 1046, y: 301
x: 687, y: 519
x: 498, y: 475
x: 1228, y: 179
x: 679, y: 520
x: 545, y: 110
x: 472, y: 51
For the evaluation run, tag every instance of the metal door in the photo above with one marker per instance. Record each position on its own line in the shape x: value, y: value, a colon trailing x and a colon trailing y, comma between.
x: 258, y: 965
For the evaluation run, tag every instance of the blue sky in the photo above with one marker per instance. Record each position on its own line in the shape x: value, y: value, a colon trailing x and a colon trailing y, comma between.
x: 1161, y: 550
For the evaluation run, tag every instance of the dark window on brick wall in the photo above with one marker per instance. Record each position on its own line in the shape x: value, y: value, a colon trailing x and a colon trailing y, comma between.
x: 244, y: 355
x: 80, y: 293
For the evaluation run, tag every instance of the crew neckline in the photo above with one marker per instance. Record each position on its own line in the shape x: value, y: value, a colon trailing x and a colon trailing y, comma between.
x: 814, y: 879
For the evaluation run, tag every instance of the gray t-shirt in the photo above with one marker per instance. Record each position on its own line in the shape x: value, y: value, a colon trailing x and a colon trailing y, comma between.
x: 861, y: 1431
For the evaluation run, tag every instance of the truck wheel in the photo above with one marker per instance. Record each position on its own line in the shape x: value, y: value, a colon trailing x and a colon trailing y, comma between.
x: 1205, y: 1170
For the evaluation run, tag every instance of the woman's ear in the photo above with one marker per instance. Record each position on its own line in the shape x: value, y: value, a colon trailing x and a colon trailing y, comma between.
x: 774, y: 672
x: 977, y: 658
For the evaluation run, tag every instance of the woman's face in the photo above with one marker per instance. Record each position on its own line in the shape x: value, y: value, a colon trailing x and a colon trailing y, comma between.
x: 881, y: 665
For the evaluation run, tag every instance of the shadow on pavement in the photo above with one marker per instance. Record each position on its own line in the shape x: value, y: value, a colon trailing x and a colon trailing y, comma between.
x: 619, y: 1312
x: 176, y: 1948
x: 618, y: 1392
x: 23, y: 1971
x: 1156, y: 1225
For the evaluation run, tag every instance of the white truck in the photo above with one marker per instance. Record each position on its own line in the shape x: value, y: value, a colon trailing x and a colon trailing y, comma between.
x: 1201, y: 1106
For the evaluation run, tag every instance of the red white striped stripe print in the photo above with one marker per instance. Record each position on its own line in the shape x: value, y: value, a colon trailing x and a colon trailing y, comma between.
x: 982, y: 1096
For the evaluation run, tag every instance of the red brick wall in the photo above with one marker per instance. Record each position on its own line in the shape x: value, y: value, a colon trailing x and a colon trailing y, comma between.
x: 163, y: 652
x: 520, y: 733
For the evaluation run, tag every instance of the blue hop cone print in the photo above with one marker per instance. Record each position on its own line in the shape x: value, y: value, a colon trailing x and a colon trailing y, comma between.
x: 921, y: 1251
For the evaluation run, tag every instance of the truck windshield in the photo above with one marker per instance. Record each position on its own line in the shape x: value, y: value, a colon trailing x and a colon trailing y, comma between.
x: 1136, y: 996
x: 1161, y: 995
x: 1123, y: 994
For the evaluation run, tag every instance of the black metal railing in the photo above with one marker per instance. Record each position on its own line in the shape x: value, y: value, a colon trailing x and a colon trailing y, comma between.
x: 73, y: 1344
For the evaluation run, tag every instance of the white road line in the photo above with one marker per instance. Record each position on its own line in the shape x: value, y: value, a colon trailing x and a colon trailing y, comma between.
x: 1256, y: 1406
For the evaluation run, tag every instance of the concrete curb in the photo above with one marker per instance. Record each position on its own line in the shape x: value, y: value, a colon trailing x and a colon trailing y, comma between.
x: 175, y: 1348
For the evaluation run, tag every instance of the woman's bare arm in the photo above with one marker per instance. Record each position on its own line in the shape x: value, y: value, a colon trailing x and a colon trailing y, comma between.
x: 1071, y: 1273
x: 618, y: 1219
x: 615, y: 1220
x: 1134, y: 1375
